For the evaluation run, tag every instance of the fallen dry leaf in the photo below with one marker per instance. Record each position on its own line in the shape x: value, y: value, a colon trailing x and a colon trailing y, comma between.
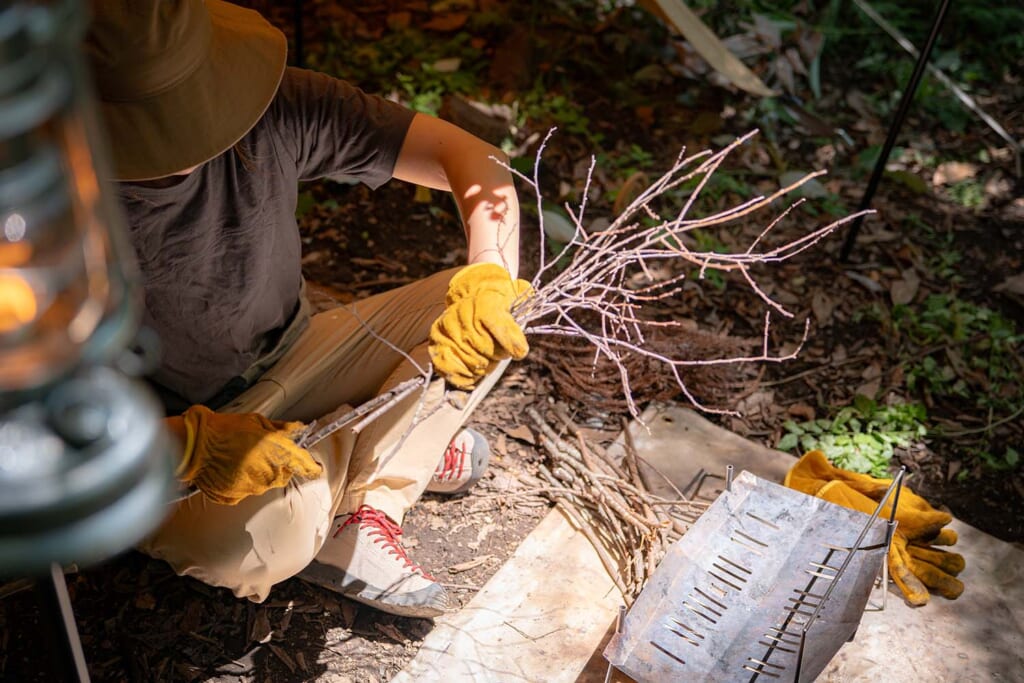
x: 283, y: 656
x: 399, y: 20
x: 801, y: 410
x: 522, y: 433
x: 905, y: 289
x: 145, y: 601
x: 446, y: 22
x: 870, y: 389
x: 1011, y: 285
x: 822, y: 305
x: 261, y: 632
x: 872, y: 371
x: 391, y: 632
x: 952, y: 172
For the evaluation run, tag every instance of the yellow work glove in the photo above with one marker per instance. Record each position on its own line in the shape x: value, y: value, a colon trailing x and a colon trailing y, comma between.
x: 230, y: 457
x: 477, y: 330
x: 914, y: 564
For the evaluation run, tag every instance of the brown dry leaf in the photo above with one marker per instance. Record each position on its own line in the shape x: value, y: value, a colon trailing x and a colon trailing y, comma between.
x: 767, y: 30
x: 794, y: 59
x: 447, y: 65
x: 870, y: 388
x: 192, y: 618
x: 399, y: 20
x: 501, y: 444
x: 348, y: 611
x: 784, y: 72
x: 872, y: 371
x: 447, y: 22
x: 951, y: 470
x: 391, y: 632
x: 905, y: 289
x: 522, y: 433
x: 873, y: 376
x: 810, y: 42
x: 286, y: 620
x: 952, y: 172
x: 283, y: 656
x: 442, y: 6
x: 822, y: 305
x: 801, y: 410
x: 145, y: 601
x: 753, y: 404
x: 261, y: 632
x: 1011, y: 285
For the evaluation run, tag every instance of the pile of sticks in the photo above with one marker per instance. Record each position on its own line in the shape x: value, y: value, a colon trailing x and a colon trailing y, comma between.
x: 609, y: 502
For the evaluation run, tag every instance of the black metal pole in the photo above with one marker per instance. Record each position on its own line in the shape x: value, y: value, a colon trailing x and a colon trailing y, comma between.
x: 894, y: 128
x: 59, y: 620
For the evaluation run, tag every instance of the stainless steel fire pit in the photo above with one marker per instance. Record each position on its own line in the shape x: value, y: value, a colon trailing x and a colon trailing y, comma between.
x: 765, y: 586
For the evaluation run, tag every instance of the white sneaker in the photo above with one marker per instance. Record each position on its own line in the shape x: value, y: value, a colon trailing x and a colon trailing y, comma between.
x: 462, y: 465
x: 364, y: 560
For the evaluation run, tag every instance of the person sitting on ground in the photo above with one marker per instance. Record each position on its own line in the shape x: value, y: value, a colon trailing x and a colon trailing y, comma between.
x: 210, y: 134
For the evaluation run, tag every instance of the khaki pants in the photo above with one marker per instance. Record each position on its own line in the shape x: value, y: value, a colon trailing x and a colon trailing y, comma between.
x: 339, y: 361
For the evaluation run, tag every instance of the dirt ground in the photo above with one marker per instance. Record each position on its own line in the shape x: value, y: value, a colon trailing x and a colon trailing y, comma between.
x: 139, y: 622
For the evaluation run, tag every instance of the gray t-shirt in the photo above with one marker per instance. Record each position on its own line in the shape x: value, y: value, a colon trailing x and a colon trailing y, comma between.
x: 219, y: 251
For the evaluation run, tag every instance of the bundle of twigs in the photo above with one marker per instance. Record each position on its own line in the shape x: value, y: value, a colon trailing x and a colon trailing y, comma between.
x: 609, y: 502
x: 596, y: 298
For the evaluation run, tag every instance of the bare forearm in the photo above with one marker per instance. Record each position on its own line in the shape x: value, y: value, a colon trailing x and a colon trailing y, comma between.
x: 442, y: 156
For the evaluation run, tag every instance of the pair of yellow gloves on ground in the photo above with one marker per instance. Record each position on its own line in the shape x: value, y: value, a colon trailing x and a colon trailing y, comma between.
x: 915, y: 564
x: 230, y: 457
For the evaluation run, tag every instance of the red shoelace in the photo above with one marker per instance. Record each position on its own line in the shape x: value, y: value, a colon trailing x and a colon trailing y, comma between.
x: 387, y: 535
x: 454, y: 461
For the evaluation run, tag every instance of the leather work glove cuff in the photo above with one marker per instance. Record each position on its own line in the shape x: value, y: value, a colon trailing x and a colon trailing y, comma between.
x: 189, y: 467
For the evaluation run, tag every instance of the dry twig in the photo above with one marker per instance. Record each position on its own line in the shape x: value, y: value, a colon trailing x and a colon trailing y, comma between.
x: 600, y: 295
x: 629, y: 527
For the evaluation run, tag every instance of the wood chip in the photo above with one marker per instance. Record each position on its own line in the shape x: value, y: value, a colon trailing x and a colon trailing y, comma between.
x: 391, y: 632
x: 471, y: 564
x: 261, y: 632
x: 283, y: 656
x: 145, y: 601
x: 523, y: 433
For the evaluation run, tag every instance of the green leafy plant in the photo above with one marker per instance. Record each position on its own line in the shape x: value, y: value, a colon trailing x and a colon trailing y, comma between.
x: 1008, y: 461
x: 969, y: 193
x: 976, y: 355
x: 862, y: 437
x: 545, y: 109
x: 424, y: 98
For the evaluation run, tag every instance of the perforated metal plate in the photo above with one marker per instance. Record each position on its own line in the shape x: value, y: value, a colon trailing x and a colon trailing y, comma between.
x: 733, y: 596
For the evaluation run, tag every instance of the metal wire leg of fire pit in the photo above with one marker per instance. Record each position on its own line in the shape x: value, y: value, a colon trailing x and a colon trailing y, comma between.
x: 58, y: 618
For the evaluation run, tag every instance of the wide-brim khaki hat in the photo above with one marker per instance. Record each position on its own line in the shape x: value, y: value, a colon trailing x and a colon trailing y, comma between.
x: 180, y: 81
